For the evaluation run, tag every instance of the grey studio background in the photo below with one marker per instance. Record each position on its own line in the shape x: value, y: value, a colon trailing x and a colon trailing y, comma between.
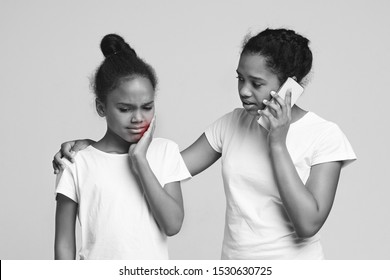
x: 49, y: 49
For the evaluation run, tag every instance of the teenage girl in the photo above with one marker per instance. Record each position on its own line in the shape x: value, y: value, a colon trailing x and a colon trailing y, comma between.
x: 280, y: 183
x: 125, y: 188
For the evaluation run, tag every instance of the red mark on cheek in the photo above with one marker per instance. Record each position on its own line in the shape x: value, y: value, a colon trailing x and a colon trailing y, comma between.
x: 145, y: 129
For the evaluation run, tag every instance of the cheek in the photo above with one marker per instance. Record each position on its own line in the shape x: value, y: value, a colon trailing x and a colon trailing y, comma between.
x: 263, y: 93
x: 149, y: 120
x: 150, y: 115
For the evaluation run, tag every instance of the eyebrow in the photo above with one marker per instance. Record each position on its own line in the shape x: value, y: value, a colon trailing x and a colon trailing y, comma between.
x: 252, y: 77
x: 129, y: 104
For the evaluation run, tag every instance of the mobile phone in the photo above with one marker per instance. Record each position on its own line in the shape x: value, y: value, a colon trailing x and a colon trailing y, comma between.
x: 296, y: 91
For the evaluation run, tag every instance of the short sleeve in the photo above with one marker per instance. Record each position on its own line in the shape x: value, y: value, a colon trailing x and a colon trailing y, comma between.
x: 217, y: 130
x: 174, y: 168
x: 333, y: 145
x: 66, y: 183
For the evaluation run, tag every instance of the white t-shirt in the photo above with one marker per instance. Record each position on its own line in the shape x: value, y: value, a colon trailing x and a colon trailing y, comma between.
x: 115, y: 219
x: 257, y: 226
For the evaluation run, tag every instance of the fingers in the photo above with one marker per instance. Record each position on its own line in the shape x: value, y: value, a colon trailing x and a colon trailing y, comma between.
x: 279, y: 100
x: 55, y: 167
x: 267, y: 114
x: 278, y: 109
x: 131, y: 148
x: 66, y: 150
x: 272, y: 107
x: 288, y: 102
x: 151, y: 128
x: 57, y: 162
x: 152, y: 124
x: 79, y: 145
x: 279, y: 105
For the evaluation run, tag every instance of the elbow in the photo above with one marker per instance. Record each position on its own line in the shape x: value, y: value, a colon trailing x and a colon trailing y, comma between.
x: 172, y: 231
x: 307, y: 231
x: 64, y: 253
x: 174, y: 228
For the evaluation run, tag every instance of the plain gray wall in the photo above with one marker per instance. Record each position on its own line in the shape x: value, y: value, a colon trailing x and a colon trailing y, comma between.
x: 49, y: 49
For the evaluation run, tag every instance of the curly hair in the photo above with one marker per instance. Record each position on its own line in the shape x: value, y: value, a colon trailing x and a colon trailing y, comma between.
x: 287, y: 53
x: 121, y: 62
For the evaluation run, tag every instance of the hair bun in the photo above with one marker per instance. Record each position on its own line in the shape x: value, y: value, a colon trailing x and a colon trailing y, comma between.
x: 113, y: 44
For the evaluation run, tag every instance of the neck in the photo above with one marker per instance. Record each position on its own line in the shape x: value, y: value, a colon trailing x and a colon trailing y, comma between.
x: 297, y: 113
x: 113, y: 144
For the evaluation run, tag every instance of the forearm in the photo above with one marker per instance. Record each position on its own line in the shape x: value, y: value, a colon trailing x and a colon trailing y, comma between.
x: 299, y: 202
x: 199, y: 156
x: 168, y: 212
x: 65, y: 236
x: 64, y: 251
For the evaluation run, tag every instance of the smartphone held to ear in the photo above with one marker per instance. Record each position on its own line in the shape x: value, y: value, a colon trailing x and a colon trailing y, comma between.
x: 296, y: 91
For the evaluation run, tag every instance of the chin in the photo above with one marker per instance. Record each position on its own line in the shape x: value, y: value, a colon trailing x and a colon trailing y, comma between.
x: 252, y: 112
x: 131, y: 138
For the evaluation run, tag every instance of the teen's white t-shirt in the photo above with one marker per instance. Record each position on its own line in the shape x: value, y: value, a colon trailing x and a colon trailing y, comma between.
x: 257, y: 225
x: 116, y: 221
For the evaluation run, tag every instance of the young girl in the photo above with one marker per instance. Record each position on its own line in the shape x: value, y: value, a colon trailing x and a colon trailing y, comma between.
x: 279, y: 183
x: 125, y: 188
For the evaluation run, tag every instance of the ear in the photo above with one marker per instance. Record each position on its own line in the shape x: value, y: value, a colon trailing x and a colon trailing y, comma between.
x: 100, y: 108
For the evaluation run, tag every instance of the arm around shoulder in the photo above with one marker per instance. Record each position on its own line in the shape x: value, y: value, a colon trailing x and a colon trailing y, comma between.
x: 200, y: 155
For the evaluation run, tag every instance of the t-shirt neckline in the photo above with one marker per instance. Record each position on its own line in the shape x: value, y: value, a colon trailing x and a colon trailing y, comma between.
x: 302, y: 119
x: 105, y: 153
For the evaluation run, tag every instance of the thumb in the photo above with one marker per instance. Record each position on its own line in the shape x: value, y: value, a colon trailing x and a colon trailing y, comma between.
x: 132, y: 148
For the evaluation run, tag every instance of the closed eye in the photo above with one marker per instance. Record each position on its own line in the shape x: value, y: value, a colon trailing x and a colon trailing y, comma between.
x: 256, y: 85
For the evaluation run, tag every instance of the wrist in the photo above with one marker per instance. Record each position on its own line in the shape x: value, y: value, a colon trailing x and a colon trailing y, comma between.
x: 277, y: 146
x: 139, y: 160
x: 90, y: 141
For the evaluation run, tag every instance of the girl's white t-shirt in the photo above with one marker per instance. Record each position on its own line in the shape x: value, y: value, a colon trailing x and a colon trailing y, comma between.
x: 257, y: 225
x: 116, y: 221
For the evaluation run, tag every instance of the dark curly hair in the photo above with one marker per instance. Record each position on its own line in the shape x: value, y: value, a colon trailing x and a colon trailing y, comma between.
x: 287, y: 53
x: 121, y: 62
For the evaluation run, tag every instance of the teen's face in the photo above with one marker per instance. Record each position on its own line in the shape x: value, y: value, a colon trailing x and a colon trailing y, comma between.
x: 129, y: 109
x: 255, y: 82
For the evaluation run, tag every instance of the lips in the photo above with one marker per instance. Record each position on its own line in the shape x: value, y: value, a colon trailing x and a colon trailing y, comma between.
x: 248, y: 103
x: 136, y: 130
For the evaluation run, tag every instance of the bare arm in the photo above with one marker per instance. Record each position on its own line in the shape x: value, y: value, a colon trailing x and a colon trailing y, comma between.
x: 307, y: 205
x: 65, y: 239
x: 200, y: 155
x: 165, y: 203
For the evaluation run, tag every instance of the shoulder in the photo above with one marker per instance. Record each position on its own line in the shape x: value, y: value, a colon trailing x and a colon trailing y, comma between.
x: 317, y: 132
x: 313, y: 122
x: 162, y: 151
x: 81, y: 157
x: 162, y: 145
x: 162, y: 142
x: 328, y: 138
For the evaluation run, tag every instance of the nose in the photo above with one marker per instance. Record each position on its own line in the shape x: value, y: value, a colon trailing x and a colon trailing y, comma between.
x: 136, y: 117
x: 244, y: 91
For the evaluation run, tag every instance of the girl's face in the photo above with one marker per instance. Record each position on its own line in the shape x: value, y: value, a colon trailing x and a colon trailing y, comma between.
x: 255, y: 82
x: 129, y: 109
